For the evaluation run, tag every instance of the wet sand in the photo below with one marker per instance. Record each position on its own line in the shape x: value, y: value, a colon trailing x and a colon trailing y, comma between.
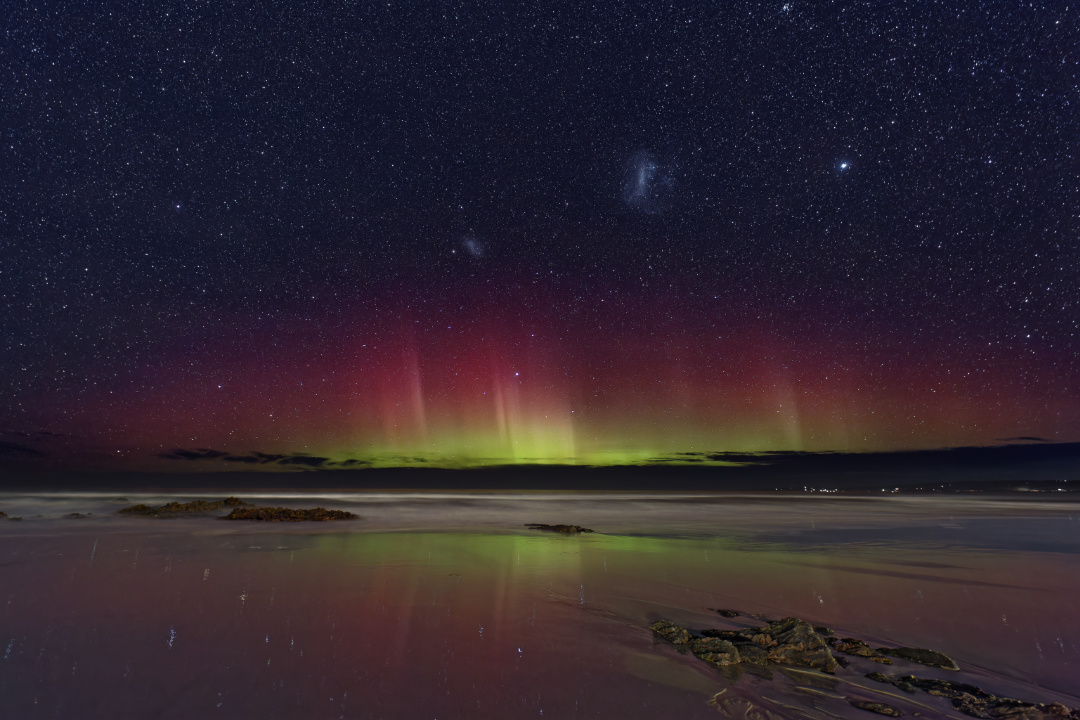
x: 446, y: 606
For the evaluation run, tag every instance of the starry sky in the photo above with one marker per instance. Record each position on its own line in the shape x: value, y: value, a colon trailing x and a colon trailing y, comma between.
x: 351, y: 234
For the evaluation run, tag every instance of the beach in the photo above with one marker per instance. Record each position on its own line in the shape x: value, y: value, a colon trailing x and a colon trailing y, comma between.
x: 443, y: 605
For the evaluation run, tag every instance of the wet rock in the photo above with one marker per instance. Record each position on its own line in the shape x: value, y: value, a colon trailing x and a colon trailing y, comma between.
x: 876, y: 707
x: 792, y: 641
x: 715, y: 651
x: 3, y: 514
x: 734, y: 636
x: 727, y: 613
x: 945, y: 688
x: 753, y: 654
x: 671, y: 632
x: 77, y: 515
x: 923, y: 656
x: 851, y: 646
x: 822, y: 630
x: 564, y: 529
x: 976, y: 702
x: 281, y: 514
x: 879, y: 677
x: 172, y: 509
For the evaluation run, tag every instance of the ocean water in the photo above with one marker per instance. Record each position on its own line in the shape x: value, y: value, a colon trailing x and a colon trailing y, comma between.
x: 443, y: 605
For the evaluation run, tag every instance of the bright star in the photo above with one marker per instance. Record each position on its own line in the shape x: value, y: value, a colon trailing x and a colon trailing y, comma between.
x: 843, y: 166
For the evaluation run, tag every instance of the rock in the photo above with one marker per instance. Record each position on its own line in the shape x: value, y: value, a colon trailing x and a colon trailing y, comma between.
x: 77, y: 515
x: 3, y: 514
x: 280, y: 514
x: 876, y: 707
x: 792, y: 641
x: 671, y: 632
x: 851, y: 646
x: 879, y: 677
x: 945, y: 688
x: 173, y: 509
x: 728, y: 613
x: 822, y: 630
x: 753, y: 654
x: 976, y: 702
x: 734, y: 636
x: 715, y: 651
x: 923, y: 656
x: 564, y: 529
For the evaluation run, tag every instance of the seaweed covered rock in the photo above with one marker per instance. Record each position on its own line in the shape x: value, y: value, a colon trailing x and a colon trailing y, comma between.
x: 173, y: 509
x: 564, y: 529
x: 716, y: 651
x: 281, y: 514
x: 671, y: 632
x: 851, y: 646
x: 876, y: 707
x: 923, y: 656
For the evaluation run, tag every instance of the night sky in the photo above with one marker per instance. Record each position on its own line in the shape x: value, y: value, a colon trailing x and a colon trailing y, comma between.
x: 342, y: 234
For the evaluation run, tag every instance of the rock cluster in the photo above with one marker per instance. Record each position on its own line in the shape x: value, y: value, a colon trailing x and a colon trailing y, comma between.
x: 851, y: 646
x: 795, y: 642
x: 280, y: 514
x: 173, y: 509
x: 976, y: 702
x: 790, y: 641
x: 564, y: 529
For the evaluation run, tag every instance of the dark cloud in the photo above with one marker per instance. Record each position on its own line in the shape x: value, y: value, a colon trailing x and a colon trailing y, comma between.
x: 798, y: 461
x: 200, y: 454
x: 254, y: 458
x: 305, y: 460
x: 15, y: 449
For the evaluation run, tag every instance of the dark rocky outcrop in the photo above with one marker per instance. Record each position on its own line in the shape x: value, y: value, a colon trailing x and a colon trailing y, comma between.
x: 923, y: 656
x: 727, y: 613
x: 671, y: 632
x: 795, y: 642
x: 715, y: 651
x: 564, y: 529
x: 978, y: 703
x: 280, y: 514
x: 876, y: 707
x: 790, y: 641
x: 851, y: 646
x: 173, y: 509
